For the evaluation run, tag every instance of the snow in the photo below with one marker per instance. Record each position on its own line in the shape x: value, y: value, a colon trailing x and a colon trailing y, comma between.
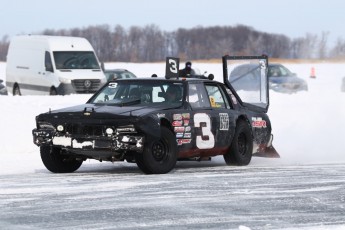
x: 308, y: 128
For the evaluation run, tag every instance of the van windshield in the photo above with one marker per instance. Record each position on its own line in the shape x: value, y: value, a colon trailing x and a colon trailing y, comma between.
x: 75, y: 60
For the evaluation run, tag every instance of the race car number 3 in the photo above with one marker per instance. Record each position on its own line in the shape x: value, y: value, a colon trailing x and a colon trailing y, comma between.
x: 206, y: 139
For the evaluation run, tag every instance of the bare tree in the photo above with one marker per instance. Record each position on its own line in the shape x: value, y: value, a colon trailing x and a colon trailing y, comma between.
x: 339, y: 49
x: 304, y: 47
x: 322, y: 45
x: 150, y: 43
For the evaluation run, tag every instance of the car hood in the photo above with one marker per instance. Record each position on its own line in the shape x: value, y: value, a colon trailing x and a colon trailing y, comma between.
x: 106, y: 111
x: 145, y: 119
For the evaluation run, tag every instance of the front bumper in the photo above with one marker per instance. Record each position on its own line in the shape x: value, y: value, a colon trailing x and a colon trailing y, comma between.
x: 3, y: 90
x: 288, y: 88
x: 111, y: 143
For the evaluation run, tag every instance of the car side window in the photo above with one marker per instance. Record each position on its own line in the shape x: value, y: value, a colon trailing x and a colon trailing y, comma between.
x: 197, y: 97
x: 273, y: 71
x: 284, y: 71
x: 216, y: 97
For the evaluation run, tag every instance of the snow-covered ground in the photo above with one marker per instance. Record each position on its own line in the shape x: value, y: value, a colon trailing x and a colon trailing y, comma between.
x: 308, y: 128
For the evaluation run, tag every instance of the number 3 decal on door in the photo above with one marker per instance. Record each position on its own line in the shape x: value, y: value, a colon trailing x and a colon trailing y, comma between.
x: 206, y: 139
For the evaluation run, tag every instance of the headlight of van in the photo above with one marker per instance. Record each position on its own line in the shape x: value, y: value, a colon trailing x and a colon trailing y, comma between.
x: 65, y: 80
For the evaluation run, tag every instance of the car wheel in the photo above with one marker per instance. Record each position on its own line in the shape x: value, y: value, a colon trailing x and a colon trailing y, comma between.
x: 56, y: 162
x: 16, y: 91
x: 159, y: 156
x: 241, y: 149
x: 53, y: 92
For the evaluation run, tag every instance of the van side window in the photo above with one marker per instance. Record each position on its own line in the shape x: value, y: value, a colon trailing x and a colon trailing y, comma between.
x: 48, y: 62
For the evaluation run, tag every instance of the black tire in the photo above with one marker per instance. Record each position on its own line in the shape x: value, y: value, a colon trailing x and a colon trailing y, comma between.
x: 53, y: 92
x: 241, y: 149
x: 56, y: 162
x: 16, y: 90
x: 159, y: 156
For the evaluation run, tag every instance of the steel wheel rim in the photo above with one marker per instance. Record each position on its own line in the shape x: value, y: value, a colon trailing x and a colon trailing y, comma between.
x: 160, y: 151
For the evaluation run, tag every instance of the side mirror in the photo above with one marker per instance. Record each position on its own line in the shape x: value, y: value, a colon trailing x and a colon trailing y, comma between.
x: 48, y: 62
x: 49, y: 68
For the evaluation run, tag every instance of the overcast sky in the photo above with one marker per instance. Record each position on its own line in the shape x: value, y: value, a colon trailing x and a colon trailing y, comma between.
x: 293, y: 18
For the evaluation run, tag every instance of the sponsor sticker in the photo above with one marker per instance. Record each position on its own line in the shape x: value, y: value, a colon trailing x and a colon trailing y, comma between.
x: 185, y: 122
x: 177, y: 117
x: 183, y: 141
x: 179, y: 135
x: 188, y: 129
x: 177, y: 123
x: 224, y: 121
x: 257, y: 122
x: 213, y: 101
x: 186, y: 116
x: 179, y: 129
x: 187, y: 135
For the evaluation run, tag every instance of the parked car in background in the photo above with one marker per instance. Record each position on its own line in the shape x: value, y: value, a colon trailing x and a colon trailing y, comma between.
x: 343, y: 85
x: 3, y: 90
x: 246, y: 77
x: 281, y: 79
x: 113, y: 74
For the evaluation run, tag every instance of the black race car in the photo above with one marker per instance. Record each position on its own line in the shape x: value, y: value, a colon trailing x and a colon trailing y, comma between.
x: 156, y: 122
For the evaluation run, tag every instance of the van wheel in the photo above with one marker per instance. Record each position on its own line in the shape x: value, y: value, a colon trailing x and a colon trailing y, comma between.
x: 16, y: 91
x: 53, y: 92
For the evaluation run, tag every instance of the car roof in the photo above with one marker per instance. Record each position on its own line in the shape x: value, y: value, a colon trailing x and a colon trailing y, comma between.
x: 274, y: 64
x: 116, y: 70
x: 167, y: 80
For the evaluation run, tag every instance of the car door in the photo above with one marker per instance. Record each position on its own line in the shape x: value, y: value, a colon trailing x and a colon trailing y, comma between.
x: 222, y: 115
x: 210, y: 118
x: 256, y: 94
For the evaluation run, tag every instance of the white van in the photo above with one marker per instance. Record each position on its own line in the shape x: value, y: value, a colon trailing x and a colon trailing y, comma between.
x: 51, y: 65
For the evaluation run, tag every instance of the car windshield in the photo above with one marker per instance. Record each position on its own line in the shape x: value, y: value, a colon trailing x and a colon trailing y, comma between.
x: 75, y: 60
x: 134, y: 93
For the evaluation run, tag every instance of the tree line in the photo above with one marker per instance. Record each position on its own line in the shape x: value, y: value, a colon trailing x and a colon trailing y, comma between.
x: 150, y: 43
